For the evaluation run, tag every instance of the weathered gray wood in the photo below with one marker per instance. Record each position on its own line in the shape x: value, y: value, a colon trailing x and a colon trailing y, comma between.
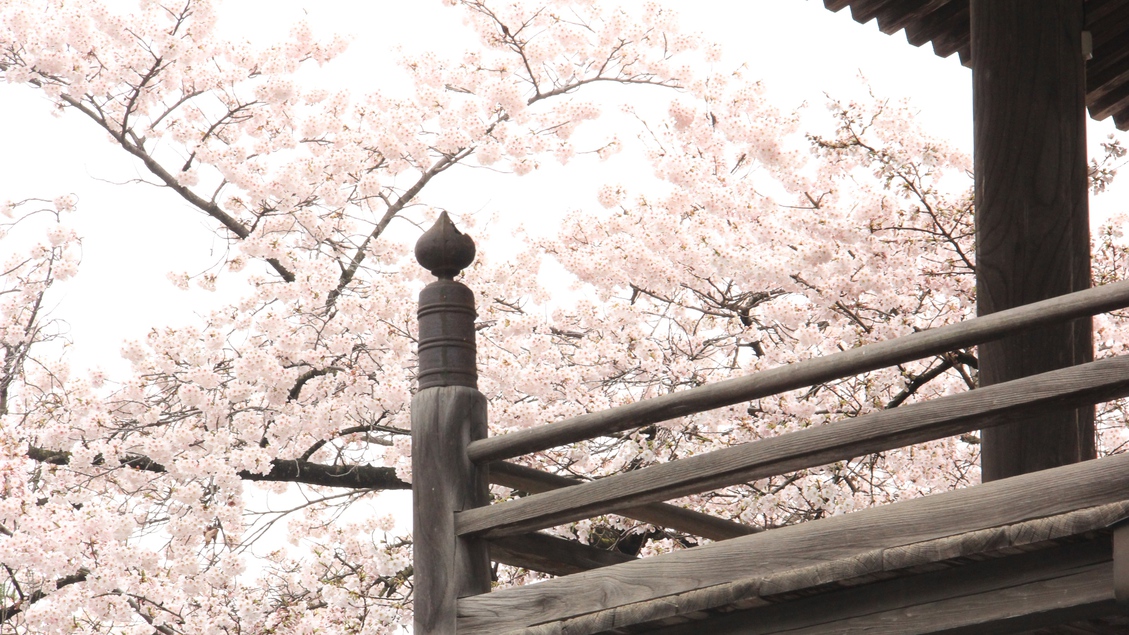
x: 888, y: 429
x: 444, y: 481
x: 1007, y: 595
x: 794, y: 376
x: 691, y: 522
x: 1032, y: 218
x: 864, y: 568
x: 552, y: 555
x: 1005, y: 502
x: 1004, y: 539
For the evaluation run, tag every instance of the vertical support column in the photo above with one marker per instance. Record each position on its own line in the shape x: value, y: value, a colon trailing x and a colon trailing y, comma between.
x: 1032, y: 215
x: 448, y: 413
x: 1121, y: 562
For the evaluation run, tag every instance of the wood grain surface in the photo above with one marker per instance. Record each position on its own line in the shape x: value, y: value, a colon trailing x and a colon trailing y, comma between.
x: 863, y: 570
x: 1032, y: 218
x: 1008, y: 595
x: 444, y: 421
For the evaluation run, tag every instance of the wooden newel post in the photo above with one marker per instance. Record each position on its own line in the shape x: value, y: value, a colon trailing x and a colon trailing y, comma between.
x: 448, y: 413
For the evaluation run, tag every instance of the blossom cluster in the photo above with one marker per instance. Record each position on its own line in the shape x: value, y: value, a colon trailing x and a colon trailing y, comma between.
x: 159, y: 499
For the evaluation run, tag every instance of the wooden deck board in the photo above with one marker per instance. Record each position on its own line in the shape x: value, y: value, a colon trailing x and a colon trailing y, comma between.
x: 1011, y: 595
x: 993, y: 548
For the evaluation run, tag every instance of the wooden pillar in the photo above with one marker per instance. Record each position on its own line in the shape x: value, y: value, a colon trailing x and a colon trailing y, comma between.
x: 1032, y: 219
x: 448, y: 413
x: 1121, y: 563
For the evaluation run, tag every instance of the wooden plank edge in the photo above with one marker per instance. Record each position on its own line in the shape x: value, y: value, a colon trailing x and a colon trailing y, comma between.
x: 901, y: 15
x: 978, y: 598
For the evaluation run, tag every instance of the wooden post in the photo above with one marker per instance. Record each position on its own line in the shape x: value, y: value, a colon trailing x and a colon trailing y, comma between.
x: 1121, y: 562
x: 448, y: 413
x: 1032, y: 219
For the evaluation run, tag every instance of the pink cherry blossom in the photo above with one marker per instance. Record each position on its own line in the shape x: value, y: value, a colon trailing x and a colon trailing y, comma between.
x: 169, y: 498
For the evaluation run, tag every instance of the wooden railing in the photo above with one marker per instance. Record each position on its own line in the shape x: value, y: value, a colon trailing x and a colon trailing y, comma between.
x: 886, y: 430
x: 555, y: 500
x: 800, y: 375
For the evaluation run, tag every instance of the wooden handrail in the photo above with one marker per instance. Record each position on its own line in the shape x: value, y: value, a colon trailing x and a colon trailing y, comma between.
x: 806, y: 373
x: 884, y: 430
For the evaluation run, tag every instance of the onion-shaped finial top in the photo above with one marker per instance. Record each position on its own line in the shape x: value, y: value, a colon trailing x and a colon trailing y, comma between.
x: 444, y: 250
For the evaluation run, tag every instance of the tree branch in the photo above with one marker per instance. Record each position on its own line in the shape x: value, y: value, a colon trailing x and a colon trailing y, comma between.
x: 919, y: 381
x: 208, y: 207
x: 393, y: 209
x: 282, y: 470
x: 14, y: 609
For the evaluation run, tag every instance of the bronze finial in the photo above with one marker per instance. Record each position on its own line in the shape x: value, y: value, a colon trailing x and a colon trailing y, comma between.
x: 446, y: 309
x: 444, y: 250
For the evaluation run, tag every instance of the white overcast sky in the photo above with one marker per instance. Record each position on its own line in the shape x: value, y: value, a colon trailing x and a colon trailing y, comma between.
x: 134, y: 234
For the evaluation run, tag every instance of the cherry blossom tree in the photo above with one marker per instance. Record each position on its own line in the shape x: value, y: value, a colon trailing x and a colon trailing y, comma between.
x: 130, y: 504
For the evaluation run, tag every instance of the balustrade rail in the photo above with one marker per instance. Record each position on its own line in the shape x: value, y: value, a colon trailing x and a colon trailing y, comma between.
x: 915, y: 423
x: 468, y: 522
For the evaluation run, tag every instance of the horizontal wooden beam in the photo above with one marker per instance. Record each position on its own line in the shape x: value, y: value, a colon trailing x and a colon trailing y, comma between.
x: 888, y: 429
x: 552, y: 555
x: 533, y: 481
x: 806, y: 373
x: 1004, y: 502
